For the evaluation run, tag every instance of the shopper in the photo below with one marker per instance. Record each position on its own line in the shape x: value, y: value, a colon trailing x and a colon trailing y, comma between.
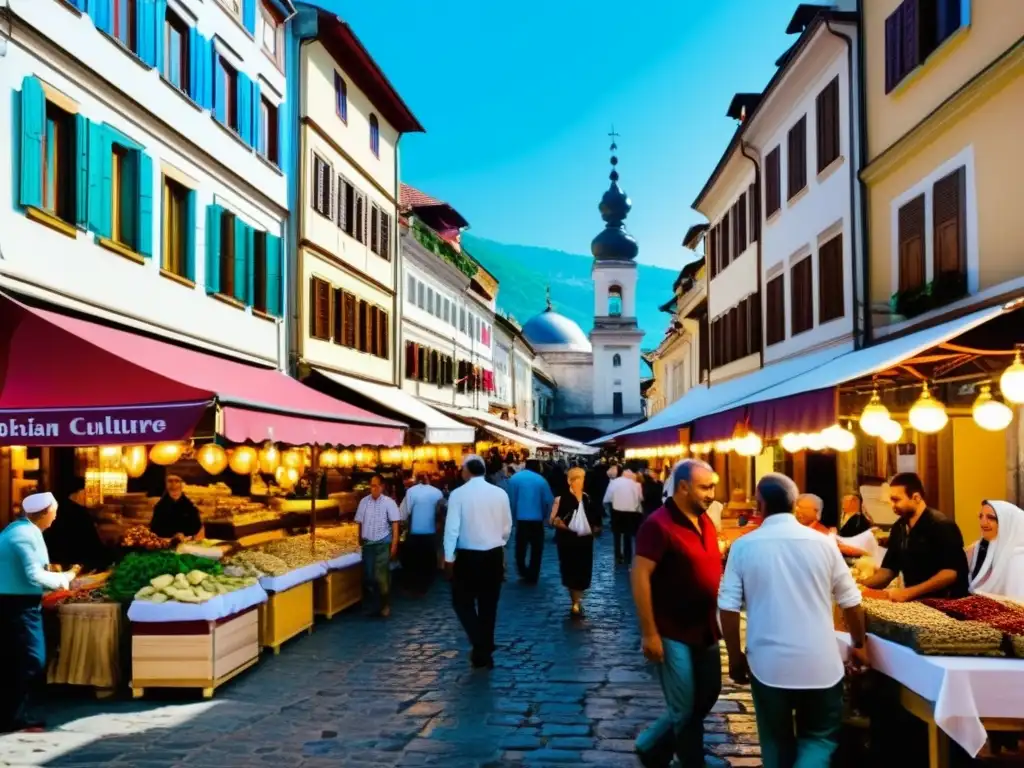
x: 575, y: 525
x: 787, y: 576
x: 23, y: 580
x: 675, y: 586
x: 378, y: 517
x: 421, y: 507
x: 477, y: 528
x: 853, y: 519
x: 625, y: 498
x: 530, y: 498
x: 808, y: 511
x: 997, y: 558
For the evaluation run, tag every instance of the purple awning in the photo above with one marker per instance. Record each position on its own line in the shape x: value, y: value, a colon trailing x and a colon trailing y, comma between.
x: 770, y: 420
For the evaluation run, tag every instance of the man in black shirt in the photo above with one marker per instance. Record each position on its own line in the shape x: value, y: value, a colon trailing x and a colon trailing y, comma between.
x: 925, y: 546
x: 175, y: 514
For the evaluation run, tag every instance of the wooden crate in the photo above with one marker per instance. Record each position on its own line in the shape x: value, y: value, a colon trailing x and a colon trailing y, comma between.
x: 193, y: 654
x: 285, y: 615
x: 338, y: 590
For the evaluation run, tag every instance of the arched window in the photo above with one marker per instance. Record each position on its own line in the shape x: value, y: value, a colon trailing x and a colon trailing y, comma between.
x: 374, y: 136
x: 616, y: 360
x: 615, y: 301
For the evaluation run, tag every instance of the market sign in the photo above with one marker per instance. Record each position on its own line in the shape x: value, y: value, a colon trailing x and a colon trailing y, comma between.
x: 115, y: 425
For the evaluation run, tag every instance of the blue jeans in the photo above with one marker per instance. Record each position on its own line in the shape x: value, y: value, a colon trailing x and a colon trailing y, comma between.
x: 22, y: 656
x: 377, y: 575
x: 691, y: 679
x: 818, y: 717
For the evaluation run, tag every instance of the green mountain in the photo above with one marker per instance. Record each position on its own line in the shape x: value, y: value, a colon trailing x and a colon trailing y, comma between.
x: 525, y: 270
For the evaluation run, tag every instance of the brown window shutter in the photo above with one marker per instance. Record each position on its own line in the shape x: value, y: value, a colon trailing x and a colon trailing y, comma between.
x: 948, y: 213
x: 726, y: 226
x: 756, y: 334
x: 776, y: 310
x: 741, y: 224
x: 910, y: 236
x: 796, y: 158
x: 350, y: 320
x: 316, y: 183
x: 385, y: 335
x: 375, y: 228
x: 410, y: 360
x: 385, y: 235
x: 755, y: 212
x: 910, y: 44
x: 773, y: 182
x: 830, y: 280
x: 342, y: 203
x: 893, y: 49
x: 321, y: 309
x: 421, y: 363
x: 743, y: 329
x: 712, y: 256
x: 802, y: 300
x: 338, y: 316
x: 827, y: 110
x: 359, y: 231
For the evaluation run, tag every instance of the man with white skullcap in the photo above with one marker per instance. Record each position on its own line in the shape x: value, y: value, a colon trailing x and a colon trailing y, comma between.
x: 24, y: 579
x: 475, y: 533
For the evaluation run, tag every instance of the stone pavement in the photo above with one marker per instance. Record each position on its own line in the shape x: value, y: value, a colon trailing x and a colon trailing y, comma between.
x: 400, y: 692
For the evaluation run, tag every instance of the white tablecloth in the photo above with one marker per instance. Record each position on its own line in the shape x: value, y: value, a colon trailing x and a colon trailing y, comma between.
x: 293, y: 578
x: 344, y: 561
x: 963, y: 689
x: 211, y: 610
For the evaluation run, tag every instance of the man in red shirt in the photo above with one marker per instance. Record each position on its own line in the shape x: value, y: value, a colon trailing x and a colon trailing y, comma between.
x: 675, y: 576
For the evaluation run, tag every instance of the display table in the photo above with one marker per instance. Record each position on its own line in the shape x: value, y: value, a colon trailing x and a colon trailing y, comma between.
x: 959, y: 697
x: 341, y: 588
x: 288, y: 611
x: 89, y: 652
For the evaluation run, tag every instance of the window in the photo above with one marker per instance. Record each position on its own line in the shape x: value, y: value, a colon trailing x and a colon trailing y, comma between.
x: 410, y: 289
x: 801, y: 299
x: 346, y: 206
x: 58, y: 164
x: 776, y: 310
x: 374, y: 136
x: 176, y: 53
x: 615, y: 301
x: 949, y: 233
x: 267, y: 143
x: 773, y: 182
x: 912, y: 33
x: 375, y: 216
x: 177, y: 199
x: 430, y: 299
x: 462, y: 319
x: 616, y: 360
x: 725, y: 238
x: 123, y: 13
x: 737, y: 332
x: 345, y: 306
x: 131, y: 194
x: 827, y: 109
x: 421, y: 295
x: 740, y: 216
x: 712, y: 255
x: 225, y: 93
x: 755, y: 212
x: 437, y: 305
x: 616, y: 403
x: 796, y: 159
x: 230, y: 245
x: 322, y: 176
x: 340, y: 97
x: 319, y: 309
x: 831, y: 304
x: 447, y: 310
x: 234, y: 7
x: 910, y: 237
x: 242, y: 263
x: 269, y: 32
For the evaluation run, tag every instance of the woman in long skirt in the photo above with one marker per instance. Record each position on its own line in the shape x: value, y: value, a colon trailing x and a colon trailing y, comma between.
x: 575, y: 549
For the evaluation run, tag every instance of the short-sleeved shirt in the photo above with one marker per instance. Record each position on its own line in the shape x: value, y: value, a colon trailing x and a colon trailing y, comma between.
x: 376, y: 516
x: 934, y: 544
x: 687, y: 572
x: 172, y: 517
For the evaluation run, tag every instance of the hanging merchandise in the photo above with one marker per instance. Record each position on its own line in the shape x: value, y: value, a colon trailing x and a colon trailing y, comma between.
x: 135, y: 460
x: 269, y: 458
x: 989, y: 413
x: 166, y: 454
x: 1011, y: 383
x: 213, y: 458
x: 243, y: 460
x: 892, y: 432
x: 928, y: 415
x: 874, y: 416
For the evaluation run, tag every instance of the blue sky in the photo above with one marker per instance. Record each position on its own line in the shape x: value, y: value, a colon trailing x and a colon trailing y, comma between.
x: 517, y: 99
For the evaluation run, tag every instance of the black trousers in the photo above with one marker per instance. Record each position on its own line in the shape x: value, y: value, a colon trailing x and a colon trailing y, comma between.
x: 476, y: 587
x: 419, y: 560
x: 22, y: 656
x: 624, y: 528
x: 529, y: 537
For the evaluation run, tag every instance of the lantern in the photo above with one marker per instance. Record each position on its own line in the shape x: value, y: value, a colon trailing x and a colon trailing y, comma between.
x: 989, y: 413
x: 407, y: 454
x: 286, y: 477
x: 243, y: 460
x: 723, y: 446
x: 430, y: 453
x: 928, y: 415
x: 815, y: 441
x: 419, y: 453
x: 792, y: 442
x: 839, y: 439
x: 892, y: 432
x: 212, y: 458
x: 135, y: 460
x: 749, y: 445
x: 874, y: 416
x: 110, y: 452
x: 346, y: 459
x: 329, y: 458
x: 166, y: 454
x: 444, y: 453
x: 1011, y: 383
x: 269, y: 458
x: 293, y: 459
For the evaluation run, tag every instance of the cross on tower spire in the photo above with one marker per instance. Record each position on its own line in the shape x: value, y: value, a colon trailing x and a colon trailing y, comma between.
x: 614, y: 175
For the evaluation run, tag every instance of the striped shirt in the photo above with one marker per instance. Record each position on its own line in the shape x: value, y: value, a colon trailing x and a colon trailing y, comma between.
x: 375, y: 517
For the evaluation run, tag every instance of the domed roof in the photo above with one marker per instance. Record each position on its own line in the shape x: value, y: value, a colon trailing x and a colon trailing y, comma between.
x: 551, y: 332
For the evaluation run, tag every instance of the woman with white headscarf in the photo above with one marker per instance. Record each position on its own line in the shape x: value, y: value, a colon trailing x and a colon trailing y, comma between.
x: 997, y: 558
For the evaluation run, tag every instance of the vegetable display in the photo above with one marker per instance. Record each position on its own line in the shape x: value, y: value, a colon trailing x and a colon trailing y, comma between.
x: 265, y: 564
x: 61, y: 596
x: 929, y: 631
x: 140, y: 536
x: 194, y: 587
x: 139, y: 568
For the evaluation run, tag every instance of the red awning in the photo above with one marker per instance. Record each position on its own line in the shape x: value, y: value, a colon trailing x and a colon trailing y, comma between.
x: 65, y: 381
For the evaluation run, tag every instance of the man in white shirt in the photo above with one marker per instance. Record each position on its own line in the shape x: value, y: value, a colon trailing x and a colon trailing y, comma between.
x: 624, y: 497
x: 787, y: 575
x: 420, y: 507
x: 475, y: 533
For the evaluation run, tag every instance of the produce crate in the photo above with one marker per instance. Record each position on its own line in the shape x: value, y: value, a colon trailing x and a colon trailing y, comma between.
x: 285, y: 615
x: 193, y: 654
x: 338, y: 590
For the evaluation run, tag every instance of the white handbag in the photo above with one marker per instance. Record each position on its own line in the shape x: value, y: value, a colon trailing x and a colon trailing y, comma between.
x: 579, y: 523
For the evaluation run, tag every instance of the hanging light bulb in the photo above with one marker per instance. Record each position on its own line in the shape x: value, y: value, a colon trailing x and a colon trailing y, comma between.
x: 329, y: 458
x: 293, y: 459
x: 839, y: 439
x: 243, y: 460
x: 815, y: 441
x: 346, y: 459
x: 1011, y: 383
x: 212, y: 458
x: 166, y: 454
x: 892, y: 432
x: 928, y: 415
x: 989, y: 413
x: 749, y: 445
x: 135, y: 460
x: 286, y: 477
x: 407, y: 454
x: 874, y: 416
x: 792, y: 442
x: 444, y: 453
x: 269, y: 458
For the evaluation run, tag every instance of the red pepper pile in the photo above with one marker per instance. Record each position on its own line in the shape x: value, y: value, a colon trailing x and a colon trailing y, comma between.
x: 983, y: 609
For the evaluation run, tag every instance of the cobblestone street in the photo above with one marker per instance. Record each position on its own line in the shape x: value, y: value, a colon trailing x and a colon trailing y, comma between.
x: 401, y: 693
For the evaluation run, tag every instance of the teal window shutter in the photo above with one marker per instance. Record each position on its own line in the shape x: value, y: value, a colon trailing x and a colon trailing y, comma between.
x: 213, y: 216
x: 158, y: 34
x: 100, y: 163
x: 195, y: 66
x: 208, y: 72
x: 144, y: 239
x: 81, y: 171
x: 249, y: 15
x: 258, y: 129
x: 241, y: 261
x: 273, y: 281
x: 250, y: 266
x: 220, y: 94
x: 102, y: 12
x: 283, y: 138
x: 33, y: 129
x: 145, y: 35
x: 129, y: 192
x: 190, y: 235
x: 244, y: 108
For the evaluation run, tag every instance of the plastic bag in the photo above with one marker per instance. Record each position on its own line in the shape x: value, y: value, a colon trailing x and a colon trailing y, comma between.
x: 579, y: 523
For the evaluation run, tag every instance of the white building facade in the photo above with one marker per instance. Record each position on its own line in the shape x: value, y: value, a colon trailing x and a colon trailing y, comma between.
x: 145, y: 142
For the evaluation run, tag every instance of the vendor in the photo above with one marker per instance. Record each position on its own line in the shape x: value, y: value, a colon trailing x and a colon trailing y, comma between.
x: 24, y: 577
x: 854, y: 520
x: 925, y: 546
x: 175, y: 515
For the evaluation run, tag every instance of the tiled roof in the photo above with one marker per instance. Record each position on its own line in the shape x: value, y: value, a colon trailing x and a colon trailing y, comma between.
x: 410, y: 197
